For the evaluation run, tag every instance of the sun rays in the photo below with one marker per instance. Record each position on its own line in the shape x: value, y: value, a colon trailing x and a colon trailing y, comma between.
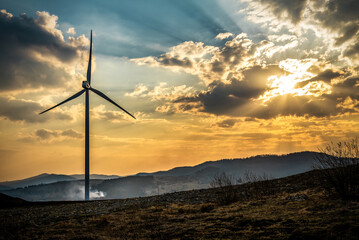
x: 295, y: 81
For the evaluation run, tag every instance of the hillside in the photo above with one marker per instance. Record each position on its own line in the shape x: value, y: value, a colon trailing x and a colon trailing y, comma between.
x: 294, y: 207
x: 7, y: 201
x: 173, y: 180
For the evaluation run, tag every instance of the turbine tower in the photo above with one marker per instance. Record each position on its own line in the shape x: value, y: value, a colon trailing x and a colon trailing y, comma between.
x: 86, y: 85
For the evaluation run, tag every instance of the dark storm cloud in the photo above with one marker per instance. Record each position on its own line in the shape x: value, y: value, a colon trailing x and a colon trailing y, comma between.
x: 289, y: 105
x: 224, y: 99
x: 352, y: 50
x: 338, y: 16
x: 325, y: 105
x: 325, y: 76
x: 237, y: 98
x: 19, y: 110
x: 348, y: 88
x: 342, y: 17
x: 337, y: 12
x: 20, y: 37
x: 283, y: 105
x: 293, y: 8
x: 332, y: 14
x: 347, y: 34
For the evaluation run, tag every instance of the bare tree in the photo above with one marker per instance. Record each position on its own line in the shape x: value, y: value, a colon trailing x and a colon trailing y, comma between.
x: 340, y: 165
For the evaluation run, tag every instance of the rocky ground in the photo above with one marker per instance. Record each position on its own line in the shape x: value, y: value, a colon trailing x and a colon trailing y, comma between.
x: 295, y: 207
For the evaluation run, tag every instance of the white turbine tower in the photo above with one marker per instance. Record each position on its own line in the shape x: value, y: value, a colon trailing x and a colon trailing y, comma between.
x: 86, y: 88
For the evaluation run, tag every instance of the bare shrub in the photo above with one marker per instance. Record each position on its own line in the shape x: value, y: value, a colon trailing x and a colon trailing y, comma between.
x: 261, y: 183
x: 226, y: 192
x: 250, y: 177
x: 340, y: 165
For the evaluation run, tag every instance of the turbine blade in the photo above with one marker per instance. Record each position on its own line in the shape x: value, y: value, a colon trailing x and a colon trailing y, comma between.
x: 108, y: 99
x: 70, y: 98
x: 90, y: 60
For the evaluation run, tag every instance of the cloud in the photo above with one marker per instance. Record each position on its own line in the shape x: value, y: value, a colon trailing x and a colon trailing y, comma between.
x: 71, y: 31
x: 188, y: 56
x: 223, y: 36
x: 349, y: 103
x: 72, y: 133
x: 46, y: 134
x: 291, y: 88
x: 335, y: 14
x: 34, y: 53
x: 240, y: 100
x: 26, y: 111
x: 140, y: 90
x: 286, y: 9
x: 335, y: 23
x: 228, y: 123
x: 49, y: 23
x: 211, y: 63
x: 299, y: 70
x: 348, y: 33
x: 352, y: 50
x: 100, y: 112
x: 343, y: 99
x: 325, y: 76
x: 224, y: 98
x: 161, y: 92
x: 80, y: 41
x: 289, y: 105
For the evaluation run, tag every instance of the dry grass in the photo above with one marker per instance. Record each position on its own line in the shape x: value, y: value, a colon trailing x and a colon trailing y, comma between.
x: 274, y: 216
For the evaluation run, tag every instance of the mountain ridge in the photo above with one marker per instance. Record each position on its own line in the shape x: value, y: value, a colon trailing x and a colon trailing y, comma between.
x: 47, y: 178
x: 173, y: 180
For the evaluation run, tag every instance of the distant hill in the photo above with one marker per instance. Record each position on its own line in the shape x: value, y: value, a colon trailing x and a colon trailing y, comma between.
x: 39, y: 179
x: 174, y: 180
x: 276, y: 165
x: 46, y: 178
x: 95, y: 176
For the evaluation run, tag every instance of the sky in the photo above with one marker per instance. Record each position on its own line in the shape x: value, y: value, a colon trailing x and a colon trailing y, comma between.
x: 206, y: 80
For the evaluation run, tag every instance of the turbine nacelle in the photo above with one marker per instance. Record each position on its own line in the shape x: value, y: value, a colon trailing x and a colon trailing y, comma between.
x: 86, y: 85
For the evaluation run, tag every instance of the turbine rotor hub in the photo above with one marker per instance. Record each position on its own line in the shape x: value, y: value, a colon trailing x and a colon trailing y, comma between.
x: 85, y: 85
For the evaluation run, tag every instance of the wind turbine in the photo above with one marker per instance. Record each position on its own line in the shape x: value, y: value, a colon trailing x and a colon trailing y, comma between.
x: 86, y: 85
